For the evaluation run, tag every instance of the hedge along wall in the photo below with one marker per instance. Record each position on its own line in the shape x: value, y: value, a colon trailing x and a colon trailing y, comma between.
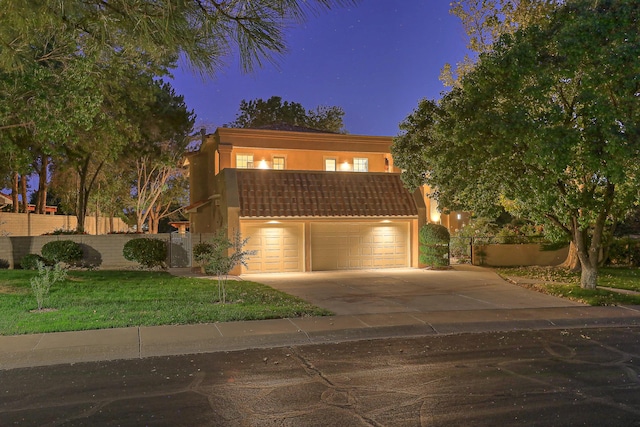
x: 503, y: 255
x: 103, y: 251
x: 28, y: 224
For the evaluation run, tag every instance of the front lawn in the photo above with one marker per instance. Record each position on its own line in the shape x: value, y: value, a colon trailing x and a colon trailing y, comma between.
x: 562, y: 283
x: 114, y: 299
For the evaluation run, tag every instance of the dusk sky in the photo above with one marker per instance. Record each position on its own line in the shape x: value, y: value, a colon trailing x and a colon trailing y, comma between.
x: 375, y: 60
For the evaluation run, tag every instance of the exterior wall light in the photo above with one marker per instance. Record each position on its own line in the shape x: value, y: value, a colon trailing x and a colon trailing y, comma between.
x: 263, y: 164
x: 345, y: 166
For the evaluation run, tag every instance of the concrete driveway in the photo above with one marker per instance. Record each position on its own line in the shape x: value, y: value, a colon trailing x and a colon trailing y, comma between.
x: 407, y: 290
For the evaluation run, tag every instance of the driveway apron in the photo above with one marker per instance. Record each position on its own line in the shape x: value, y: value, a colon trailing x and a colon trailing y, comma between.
x: 464, y: 287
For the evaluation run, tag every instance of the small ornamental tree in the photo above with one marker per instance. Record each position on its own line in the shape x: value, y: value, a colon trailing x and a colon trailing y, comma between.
x: 216, y: 260
x: 42, y: 282
x: 434, y: 245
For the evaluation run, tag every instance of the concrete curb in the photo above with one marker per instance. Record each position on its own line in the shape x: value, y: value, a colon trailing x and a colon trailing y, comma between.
x: 22, y: 351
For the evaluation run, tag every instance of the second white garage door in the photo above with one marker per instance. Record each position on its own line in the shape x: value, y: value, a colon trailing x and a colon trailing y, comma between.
x: 345, y: 246
x: 279, y: 248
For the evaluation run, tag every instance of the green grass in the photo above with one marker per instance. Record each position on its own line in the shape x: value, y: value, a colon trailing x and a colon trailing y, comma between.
x: 566, y: 284
x: 114, y: 299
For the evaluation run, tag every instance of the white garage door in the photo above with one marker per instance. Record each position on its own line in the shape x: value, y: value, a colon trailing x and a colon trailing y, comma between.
x: 346, y: 246
x: 279, y: 248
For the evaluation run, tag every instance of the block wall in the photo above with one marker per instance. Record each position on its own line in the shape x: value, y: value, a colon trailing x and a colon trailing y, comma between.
x: 518, y: 255
x: 103, y: 251
x: 28, y: 224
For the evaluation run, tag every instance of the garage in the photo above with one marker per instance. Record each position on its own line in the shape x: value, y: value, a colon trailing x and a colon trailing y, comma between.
x: 279, y: 247
x: 347, y: 246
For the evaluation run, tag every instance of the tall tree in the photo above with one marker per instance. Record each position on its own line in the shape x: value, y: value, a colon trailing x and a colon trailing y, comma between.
x: 484, y: 21
x: 549, y: 120
x: 53, y: 51
x: 41, y: 110
x: 158, y: 156
x: 274, y: 111
x: 127, y: 93
x: 205, y: 32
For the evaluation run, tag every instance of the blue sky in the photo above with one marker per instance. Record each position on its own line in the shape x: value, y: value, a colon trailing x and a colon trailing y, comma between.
x: 375, y: 60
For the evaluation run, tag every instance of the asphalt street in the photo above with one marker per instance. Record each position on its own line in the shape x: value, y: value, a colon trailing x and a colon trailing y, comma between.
x: 560, y: 377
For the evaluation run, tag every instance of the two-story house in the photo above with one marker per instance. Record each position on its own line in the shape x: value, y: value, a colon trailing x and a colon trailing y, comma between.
x: 307, y: 200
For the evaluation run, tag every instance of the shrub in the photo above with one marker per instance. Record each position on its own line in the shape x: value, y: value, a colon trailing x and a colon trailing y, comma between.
x: 624, y: 251
x: 63, y: 231
x: 66, y: 251
x: 434, y: 245
x: 30, y: 261
x: 202, y: 252
x: 146, y: 251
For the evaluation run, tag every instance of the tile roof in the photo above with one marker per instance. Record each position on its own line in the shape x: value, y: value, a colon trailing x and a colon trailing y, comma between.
x: 273, y: 193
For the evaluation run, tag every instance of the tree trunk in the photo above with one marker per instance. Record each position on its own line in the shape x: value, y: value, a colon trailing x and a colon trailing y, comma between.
x: 588, y: 277
x: 14, y: 192
x: 81, y: 206
x: 153, y: 220
x: 84, y: 191
x: 606, y: 245
x: 23, y: 192
x: 41, y: 201
x: 589, y: 272
x: 572, y: 262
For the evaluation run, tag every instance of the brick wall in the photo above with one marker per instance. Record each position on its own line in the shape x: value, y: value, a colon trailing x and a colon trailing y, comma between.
x: 28, y: 224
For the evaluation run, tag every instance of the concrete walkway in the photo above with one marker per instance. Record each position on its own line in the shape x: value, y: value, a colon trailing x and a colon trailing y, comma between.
x: 358, y: 323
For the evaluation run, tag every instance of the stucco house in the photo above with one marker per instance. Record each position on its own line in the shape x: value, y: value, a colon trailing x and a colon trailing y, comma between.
x: 308, y: 200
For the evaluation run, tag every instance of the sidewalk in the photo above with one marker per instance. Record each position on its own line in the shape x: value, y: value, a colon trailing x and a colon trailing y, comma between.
x: 139, y: 342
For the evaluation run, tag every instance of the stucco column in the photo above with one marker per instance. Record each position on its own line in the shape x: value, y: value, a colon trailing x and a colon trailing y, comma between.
x: 415, y: 243
x: 224, y: 151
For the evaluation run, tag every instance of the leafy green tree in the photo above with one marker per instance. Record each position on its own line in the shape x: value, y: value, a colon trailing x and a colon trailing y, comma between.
x: 484, y: 21
x: 40, y: 108
x: 157, y: 158
x: 117, y: 130
x: 61, y: 63
x: 260, y: 113
x: 548, y: 121
x: 203, y: 31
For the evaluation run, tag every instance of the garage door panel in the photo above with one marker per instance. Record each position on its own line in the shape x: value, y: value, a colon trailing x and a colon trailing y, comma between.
x: 279, y: 248
x: 359, y: 245
x: 290, y: 253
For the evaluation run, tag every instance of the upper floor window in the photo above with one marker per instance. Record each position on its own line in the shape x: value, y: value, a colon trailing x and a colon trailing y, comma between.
x: 330, y: 164
x: 244, y: 161
x: 360, y: 164
x: 278, y: 162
